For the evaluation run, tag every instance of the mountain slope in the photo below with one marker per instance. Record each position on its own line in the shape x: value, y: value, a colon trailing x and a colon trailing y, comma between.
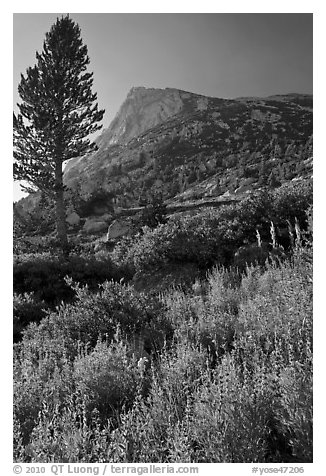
x: 171, y: 141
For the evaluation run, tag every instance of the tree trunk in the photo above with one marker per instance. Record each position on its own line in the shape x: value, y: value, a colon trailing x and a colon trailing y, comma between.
x: 60, y: 210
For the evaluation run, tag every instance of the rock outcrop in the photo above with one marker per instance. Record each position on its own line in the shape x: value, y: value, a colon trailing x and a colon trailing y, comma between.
x: 143, y: 109
x: 73, y: 219
x: 94, y: 225
x: 119, y: 228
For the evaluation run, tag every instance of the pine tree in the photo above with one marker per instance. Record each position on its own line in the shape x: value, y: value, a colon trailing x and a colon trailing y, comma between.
x: 57, y: 114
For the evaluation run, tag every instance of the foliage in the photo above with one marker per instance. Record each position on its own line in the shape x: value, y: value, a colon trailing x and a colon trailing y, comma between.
x: 190, y: 239
x: 51, y: 125
x: 291, y: 201
x: 39, y: 220
x: 86, y: 206
x: 108, y: 376
x: 232, y: 383
x: 214, y: 236
x: 154, y: 212
x: 27, y: 308
x: 114, y: 306
x: 56, y: 116
x: 39, y: 282
x: 217, y: 372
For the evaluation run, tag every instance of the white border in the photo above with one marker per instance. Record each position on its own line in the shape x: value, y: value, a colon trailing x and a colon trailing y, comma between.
x: 319, y: 184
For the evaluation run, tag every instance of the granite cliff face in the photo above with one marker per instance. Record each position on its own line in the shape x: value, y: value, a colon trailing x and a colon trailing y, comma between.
x: 179, y: 143
x: 142, y: 110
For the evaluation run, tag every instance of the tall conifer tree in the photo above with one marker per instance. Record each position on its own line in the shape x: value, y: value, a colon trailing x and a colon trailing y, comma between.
x: 57, y: 114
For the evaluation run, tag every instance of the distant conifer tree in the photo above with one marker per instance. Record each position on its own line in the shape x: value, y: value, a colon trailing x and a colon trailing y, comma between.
x: 57, y: 114
x: 154, y: 211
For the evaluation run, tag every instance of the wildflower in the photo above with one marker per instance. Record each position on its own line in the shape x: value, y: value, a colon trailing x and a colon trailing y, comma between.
x: 258, y: 238
x: 273, y: 235
x: 197, y: 288
x: 142, y: 363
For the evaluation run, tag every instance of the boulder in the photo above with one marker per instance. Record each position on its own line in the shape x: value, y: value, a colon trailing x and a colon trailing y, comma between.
x: 243, y: 189
x: 94, y: 225
x: 73, y: 219
x: 119, y: 228
x: 107, y: 217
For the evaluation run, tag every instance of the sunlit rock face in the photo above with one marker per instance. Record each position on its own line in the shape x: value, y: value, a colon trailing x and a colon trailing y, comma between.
x: 119, y: 228
x: 143, y: 109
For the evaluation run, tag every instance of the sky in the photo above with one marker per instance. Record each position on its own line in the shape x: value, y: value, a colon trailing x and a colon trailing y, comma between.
x: 216, y: 54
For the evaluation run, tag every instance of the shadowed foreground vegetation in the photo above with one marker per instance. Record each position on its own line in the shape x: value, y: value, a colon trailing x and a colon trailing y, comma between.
x: 228, y: 377
x: 215, y: 371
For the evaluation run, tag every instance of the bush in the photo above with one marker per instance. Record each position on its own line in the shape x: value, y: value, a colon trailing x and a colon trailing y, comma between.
x: 39, y: 283
x: 153, y: 213
x: 109, y: 377
x: 65, y: 433
x: 93, y: 315
x: 199, y: 239
x: 122, y: 255
x: 43, y: 275
x: 291, y: 201
x: 213, y: 236
x: 41, y: 374
x: 39, y: 220
x: 254, y: 254
x: 244, y: 410
x: 232, y: 384
x: 27, y: 309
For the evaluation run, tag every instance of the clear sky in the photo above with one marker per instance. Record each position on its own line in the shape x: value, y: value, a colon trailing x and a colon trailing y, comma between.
x: 216, y: 54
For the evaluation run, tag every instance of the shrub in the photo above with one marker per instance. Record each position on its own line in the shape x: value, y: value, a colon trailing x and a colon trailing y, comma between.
x: 229, y: 416
x: 153, y: 213
x: 65, y: 434
x: 27, y: 308
x: 108, y: 376
x: 256, y: 405
x: 253, y: 212
x: 198, y: 239
x: 146, y: 430
x: 277, y: 303
x: 212, y: 237
x: 208, y: 320
x: 100, y: 314
x: 122, y: 254
x: 41, y: 374
x: 43, y: 275
x: 230, y: 379
x: 291, y: 201
x: 257, y: 255
x: 39, y: 220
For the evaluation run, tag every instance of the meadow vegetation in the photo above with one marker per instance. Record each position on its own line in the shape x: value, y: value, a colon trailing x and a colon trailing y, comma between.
x: 105, y: 373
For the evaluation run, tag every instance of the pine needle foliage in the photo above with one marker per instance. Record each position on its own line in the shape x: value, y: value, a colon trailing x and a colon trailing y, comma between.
x: 57, y: 114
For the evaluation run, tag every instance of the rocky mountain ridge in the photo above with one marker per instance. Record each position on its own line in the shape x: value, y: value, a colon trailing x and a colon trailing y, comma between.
x: 168, y: 141
x: 187, y: 147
